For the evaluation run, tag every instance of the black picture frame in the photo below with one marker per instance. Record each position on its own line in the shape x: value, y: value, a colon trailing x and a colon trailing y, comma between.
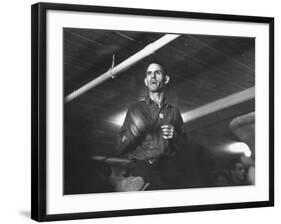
x: 39, y: 110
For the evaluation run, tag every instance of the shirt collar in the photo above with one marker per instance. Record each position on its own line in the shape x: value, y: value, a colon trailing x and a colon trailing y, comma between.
x: 148, y: 101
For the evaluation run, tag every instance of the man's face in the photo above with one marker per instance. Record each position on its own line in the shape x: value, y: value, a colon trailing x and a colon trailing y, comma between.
x: 155, y: 78
x: 240, y: 171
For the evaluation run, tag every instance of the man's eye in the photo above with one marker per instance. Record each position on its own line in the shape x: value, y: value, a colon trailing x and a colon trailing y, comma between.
x: 158, y: 72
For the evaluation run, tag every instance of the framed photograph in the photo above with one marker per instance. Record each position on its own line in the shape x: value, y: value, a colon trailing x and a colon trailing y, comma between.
x: 138, y: 111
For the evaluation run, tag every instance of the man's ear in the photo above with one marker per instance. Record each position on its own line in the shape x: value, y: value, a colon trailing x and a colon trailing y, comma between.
x: 167, y: 79
x: 145, y: 81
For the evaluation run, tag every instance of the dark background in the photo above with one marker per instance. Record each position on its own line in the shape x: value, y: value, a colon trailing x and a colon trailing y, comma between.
x: 202, y: 69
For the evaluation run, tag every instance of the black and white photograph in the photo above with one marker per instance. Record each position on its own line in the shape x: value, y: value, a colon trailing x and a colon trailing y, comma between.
x: 157, y: 111
x: 141, y: 112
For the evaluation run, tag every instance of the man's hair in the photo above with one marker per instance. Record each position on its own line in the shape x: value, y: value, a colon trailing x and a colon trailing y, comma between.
x: 164, y: 69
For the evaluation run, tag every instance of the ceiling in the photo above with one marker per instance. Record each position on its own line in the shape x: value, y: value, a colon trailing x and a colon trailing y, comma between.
x: 202, y: 68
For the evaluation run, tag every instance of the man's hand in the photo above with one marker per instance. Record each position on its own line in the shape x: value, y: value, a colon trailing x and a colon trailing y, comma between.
x: 168, y: 131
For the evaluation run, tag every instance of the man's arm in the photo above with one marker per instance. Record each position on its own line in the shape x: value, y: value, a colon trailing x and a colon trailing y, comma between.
x: 132, y: 130
x: 179, y: 129
x: 125, y: 136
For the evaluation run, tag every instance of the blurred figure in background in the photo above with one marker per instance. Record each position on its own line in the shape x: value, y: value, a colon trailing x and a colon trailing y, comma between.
x: 238, y: 174
x: 221, y: 178
x: 249, y: 163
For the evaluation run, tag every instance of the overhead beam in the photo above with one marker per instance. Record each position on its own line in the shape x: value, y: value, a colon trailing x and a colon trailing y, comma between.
x: 220, y: 104
x: 112, y: 160
x: 113, y: 72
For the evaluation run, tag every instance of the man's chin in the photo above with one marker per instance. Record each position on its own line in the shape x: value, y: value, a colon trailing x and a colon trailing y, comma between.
x: 155, y: 89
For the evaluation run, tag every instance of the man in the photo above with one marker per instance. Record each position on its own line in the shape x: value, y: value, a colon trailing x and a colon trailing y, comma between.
x: 239, y: 174
x: 150, y: 132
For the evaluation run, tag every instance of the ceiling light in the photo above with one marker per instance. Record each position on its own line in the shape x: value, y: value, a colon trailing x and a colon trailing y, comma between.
x: 118, y: 119
x: 239, y: 147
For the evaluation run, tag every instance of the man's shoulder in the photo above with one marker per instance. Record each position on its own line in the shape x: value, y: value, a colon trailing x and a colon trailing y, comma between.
x: 139, y: 103
x: 173, y: 107
x: 142, y: 101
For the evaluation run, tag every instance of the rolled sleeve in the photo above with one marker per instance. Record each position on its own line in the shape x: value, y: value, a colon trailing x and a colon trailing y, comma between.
x: 126, y: 138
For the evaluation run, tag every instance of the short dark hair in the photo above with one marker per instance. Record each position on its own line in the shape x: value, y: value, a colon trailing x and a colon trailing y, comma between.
x: 158, y: 63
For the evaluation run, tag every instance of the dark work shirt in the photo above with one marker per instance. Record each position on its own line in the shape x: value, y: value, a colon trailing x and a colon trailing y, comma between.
x: 150, y: 142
